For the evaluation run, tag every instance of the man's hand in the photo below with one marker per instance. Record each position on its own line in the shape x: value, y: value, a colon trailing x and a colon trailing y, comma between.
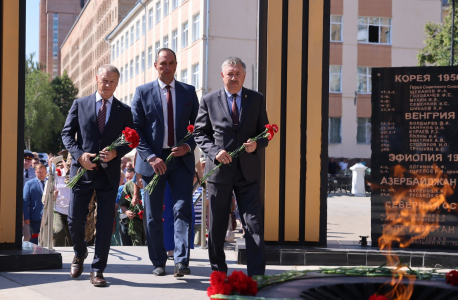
x: 130, y: 214
x: 158, y: 165
x: 27, y: 222
x: 223, y: 157
x: 85, y: 161
x: 250, y: 146
x: 180, y: 150
x: 135, y: 198
x: 106, y: 156
x: 55, y: 193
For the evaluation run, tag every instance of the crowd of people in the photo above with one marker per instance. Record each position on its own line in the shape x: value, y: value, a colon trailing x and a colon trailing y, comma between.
x: 109, y: 205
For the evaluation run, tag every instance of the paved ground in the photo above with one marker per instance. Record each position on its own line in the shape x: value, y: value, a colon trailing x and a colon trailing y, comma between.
x: 129, y: 271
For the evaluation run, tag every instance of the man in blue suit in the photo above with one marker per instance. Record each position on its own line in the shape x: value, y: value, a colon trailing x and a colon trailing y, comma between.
x: 162, y: 110
x: 97, y: 120
x: 29, y: 171
x: 33, y: 207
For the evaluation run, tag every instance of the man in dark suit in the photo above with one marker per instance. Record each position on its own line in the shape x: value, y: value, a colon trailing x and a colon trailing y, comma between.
x: 162, y: 110
x: 33, y: 207
x: 97, y: 120
x: 227, y: 118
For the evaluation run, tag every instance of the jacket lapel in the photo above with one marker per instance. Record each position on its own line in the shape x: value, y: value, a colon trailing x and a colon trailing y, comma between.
x: 115, y: 108
x: 223, y: 103
x: 179, y: 92
x: 244, y: 107
x: 157, y: 102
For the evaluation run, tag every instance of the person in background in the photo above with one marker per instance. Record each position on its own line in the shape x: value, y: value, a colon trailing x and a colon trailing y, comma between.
x: 33, y: 207
x: 29, y: 171
x: 332, y: 166
x: 35, y: 161
x: 62, y: 236
x: 343, y: 164
x: 362, y: 161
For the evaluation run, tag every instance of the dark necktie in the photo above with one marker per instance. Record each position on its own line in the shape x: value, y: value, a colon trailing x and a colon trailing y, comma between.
x: 43, y: 184
x: 235, y: 111
x: 102, y: 115
x: 170, y: 124
x: 26, y: 173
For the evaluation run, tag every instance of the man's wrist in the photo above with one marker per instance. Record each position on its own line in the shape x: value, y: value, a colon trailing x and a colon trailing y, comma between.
x: 189, y: 148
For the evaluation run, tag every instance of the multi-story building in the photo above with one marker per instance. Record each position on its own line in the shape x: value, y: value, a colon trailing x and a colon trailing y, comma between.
x: 56, y: 19
x: 201, y: 32
x: 367, y: 34
x: 84, y: 49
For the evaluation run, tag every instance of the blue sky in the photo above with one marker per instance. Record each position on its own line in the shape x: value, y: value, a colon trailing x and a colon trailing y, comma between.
x: 32, y: 27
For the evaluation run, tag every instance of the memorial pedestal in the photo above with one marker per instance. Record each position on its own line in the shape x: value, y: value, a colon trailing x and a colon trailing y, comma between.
x: 357, y: 186
x: 31, y: 257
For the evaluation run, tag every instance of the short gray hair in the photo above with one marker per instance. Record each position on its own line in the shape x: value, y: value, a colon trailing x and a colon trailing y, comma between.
x: 109, y: 68
x: 233, y: 61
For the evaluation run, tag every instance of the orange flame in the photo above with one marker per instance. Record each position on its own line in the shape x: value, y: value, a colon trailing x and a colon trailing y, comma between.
x: 412, y: 214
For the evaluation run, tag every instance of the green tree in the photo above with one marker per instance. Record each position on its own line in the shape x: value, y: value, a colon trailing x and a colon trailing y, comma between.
x: 42, y: 116
x: 64, y: 92
x: 438, y: 42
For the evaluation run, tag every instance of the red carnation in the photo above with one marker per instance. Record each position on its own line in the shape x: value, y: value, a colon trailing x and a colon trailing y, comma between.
x: 59, y: 173
x: 35, y: 235
x: 377, y: 297
x: 140, y: 201
x: 190, y: 128
x: 128, y: 197
x: 275, y: 127
x: 243, y: 284
x: 452, y: 277
x: 218, y: 284
x: 270, y: 131
x: 140, y: 214
x: 131, y: 136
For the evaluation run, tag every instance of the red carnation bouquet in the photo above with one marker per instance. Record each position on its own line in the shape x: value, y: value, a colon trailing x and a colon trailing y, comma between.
x: 150, y: 187
x: 235, y: 284
x: 452, y: 277
x: 138, y: 209
x: 128, y: 137
x: 267, y: 133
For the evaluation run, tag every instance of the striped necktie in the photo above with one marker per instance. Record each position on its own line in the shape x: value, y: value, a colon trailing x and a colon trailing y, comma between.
x: 102, y: 115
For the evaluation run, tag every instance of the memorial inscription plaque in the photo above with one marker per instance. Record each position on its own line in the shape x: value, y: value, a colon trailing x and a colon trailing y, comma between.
x: 415, y: 156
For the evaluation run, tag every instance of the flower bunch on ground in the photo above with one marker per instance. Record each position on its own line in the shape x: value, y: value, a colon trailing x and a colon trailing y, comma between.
x: 452, y: 277
x: 238, y: 283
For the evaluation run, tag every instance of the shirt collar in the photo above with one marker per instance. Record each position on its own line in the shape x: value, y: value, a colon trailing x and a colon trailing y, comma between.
x: 98, y: 97
x: 163, y: 85
x: 229, y: 95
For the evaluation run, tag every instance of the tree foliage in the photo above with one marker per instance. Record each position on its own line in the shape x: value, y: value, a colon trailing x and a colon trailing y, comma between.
x: 64, y: 92
x: 438, y: 42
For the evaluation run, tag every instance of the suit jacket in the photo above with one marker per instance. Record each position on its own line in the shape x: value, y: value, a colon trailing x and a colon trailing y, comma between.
x: 33, y: 207
x: 214, y: 132
x: 82, y: 120
x: 149, y: 122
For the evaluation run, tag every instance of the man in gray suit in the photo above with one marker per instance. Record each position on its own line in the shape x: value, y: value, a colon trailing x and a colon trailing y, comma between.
x: 227, y: 118
x: 162, y: 111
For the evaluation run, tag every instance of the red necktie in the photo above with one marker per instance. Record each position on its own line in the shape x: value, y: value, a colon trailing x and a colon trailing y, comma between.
x: 170, y: 124
x: 235, y: 111
x: 102, y: 115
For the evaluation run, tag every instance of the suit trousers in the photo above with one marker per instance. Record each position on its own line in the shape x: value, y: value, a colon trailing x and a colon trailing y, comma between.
x: 180, y: 181
x: 249, y: 203
x: 78, y: 209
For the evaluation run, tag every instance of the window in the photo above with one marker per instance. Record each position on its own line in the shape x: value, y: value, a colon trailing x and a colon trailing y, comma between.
x: 113, y: 53
x: 138, y: 30
x: 120, y: 75
x: 132, y: 34
x: 184, y: 35
x: 364, y: 80
x: 175, y: 40
x: 174, y: 4
x: 55, y: 43
x: 150, y: 18
x: 195, y: 27
x: 166, y: 7
x: 335, y: 79
x: 143, y: 24
x: 157, y: 47
x: 117, y: 48
x: 158, y: 11
x: 143, y: 61
x: 195, y: 76
x: 127, y: 40
x: 336, y: 28
x: 334, y: 131
x: 184, y: 76
x: 131, y: 68
x: 137, y: 64
x: 363, y: 133
x: 374, y: 30
x: 150, y: 57
x: 131, y: 97
x: 165, y: 41
x: 122, y: 44
x: 126, y: 72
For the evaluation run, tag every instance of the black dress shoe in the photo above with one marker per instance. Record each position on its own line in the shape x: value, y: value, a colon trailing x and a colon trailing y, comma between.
x: 181, y: 270
x: 97, y: 279
x: 77, y: 266
x: 159, y: 271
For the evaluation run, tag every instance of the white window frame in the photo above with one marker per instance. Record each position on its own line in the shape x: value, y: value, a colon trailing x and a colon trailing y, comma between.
x: 131, y: 68
x: 373, y: 21
x: 367, y: 130
x: 127, y: 39
x: 132, y: 34
x: 336, y: 23
x: 157, y: 46
x: 195, y: 27
x: 138, y: 29
x: 143, y: 25
x: 122, y: 44
x: 166, y: 8
x: 340, y: 131
x: 184, y: 34
x: 333, y: 74
x: 158, y: 11
x: 196, y: 76
x: 137, y: 65
x: 150, y: 56
x: 175, y: 4
x: 184, y: 75
x: 126, y: 70
x: 143, y: 61
x: 150, y: 18
x: 175, y: 40
x: 367, y: 74
x: 165, y: 41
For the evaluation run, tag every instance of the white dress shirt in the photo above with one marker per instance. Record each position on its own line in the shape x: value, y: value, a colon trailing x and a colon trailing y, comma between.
x: 63, y: 198
x: 98, y: 105
x: 165, y: 111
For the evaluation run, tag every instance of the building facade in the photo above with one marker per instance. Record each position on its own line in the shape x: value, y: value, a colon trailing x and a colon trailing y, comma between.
x: 56, y: 19
x: 366, y: 34
x: 84, y: 49
x: 201, y: 32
